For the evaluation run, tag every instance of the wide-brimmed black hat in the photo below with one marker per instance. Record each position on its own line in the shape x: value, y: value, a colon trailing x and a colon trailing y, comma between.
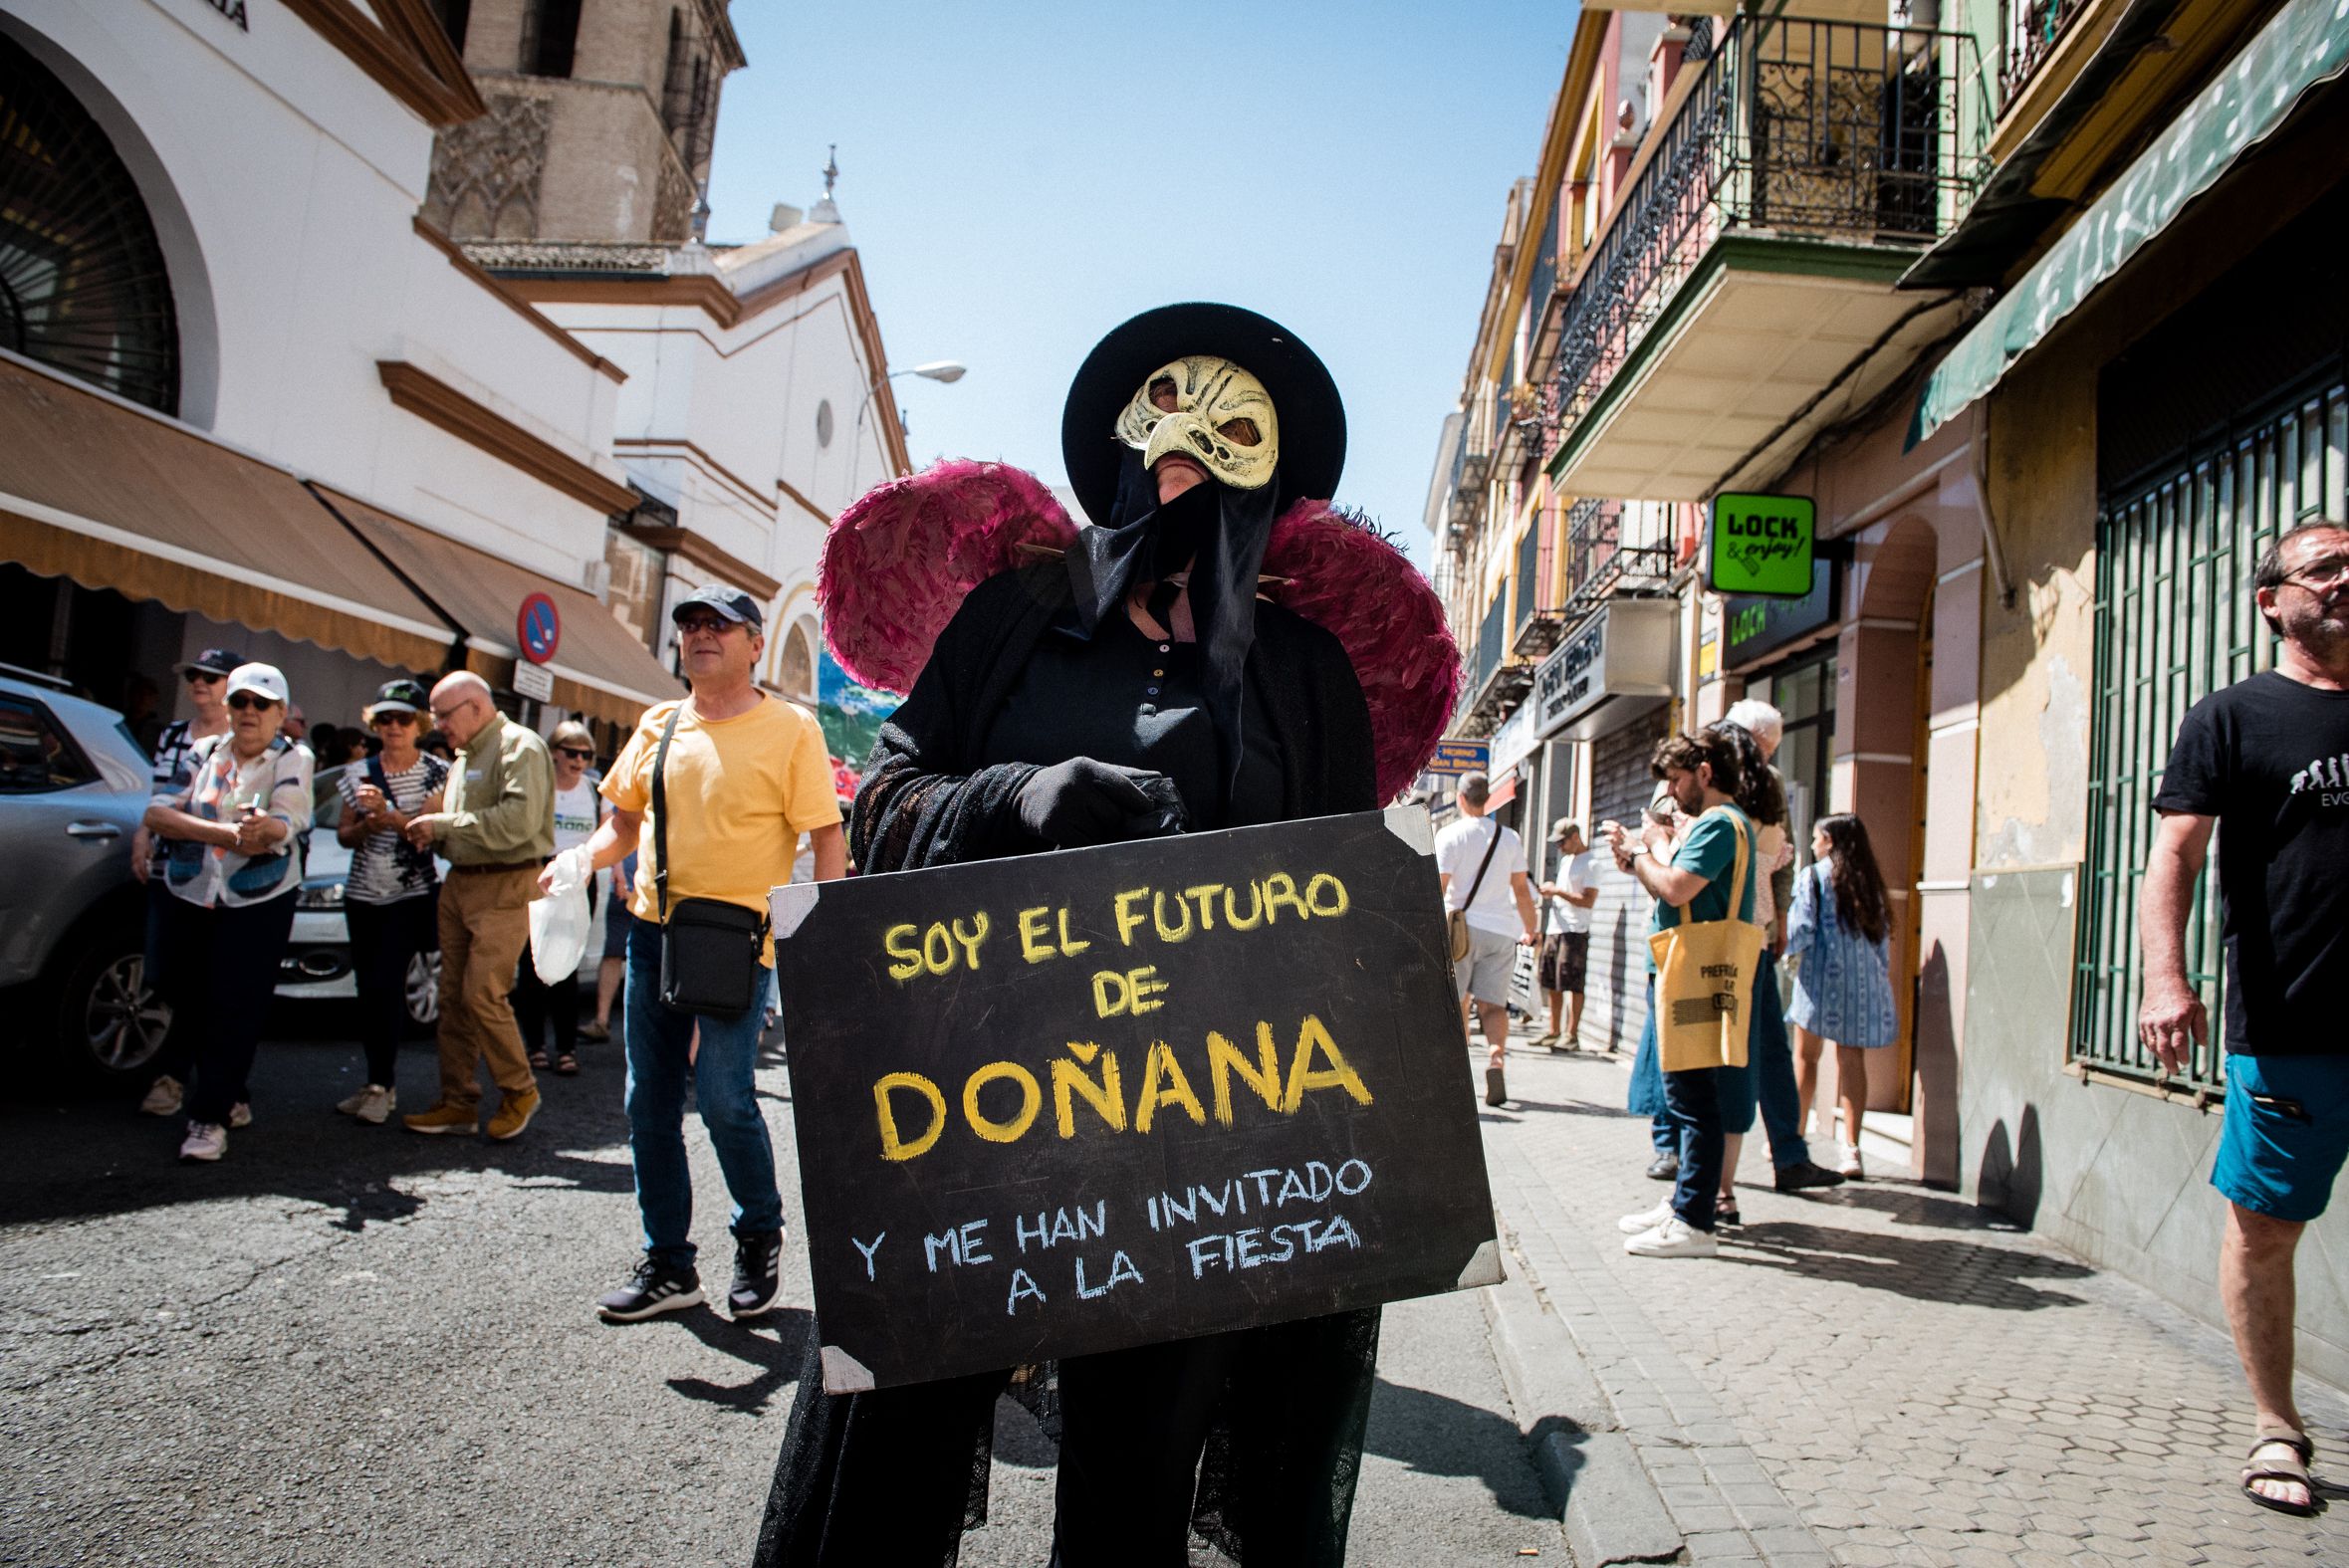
x: 1305, y: 398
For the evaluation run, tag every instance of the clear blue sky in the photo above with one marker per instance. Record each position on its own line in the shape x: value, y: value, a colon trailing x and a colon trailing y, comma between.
x: 1020, y: 177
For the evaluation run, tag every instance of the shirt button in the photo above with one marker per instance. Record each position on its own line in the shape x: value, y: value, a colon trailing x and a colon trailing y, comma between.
x: 1159, y: 673
x: 1151, y: 691
x: 1166, y: 647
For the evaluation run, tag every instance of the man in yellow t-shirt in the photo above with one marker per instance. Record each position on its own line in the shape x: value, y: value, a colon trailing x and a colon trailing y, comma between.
x: 746, y: 775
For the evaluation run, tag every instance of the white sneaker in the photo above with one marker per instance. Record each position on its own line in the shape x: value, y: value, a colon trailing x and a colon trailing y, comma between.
x: 205, y: 1140
x: 376, y: 1104
x: 240, y: 1115
x: 1848, y: 1162
x: 1675, y: 1237
x: 1645, y: 1219
x: 163, y: 1097
x: 349, y: 1103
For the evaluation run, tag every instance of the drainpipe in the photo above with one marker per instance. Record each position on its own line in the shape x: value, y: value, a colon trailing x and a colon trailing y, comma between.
x: 1982, y: 504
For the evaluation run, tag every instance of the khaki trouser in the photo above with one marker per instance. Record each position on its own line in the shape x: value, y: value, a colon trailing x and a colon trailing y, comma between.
x: 484, y: 926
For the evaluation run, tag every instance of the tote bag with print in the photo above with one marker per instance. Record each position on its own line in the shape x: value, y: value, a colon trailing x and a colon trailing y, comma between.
x: 1705, y: 979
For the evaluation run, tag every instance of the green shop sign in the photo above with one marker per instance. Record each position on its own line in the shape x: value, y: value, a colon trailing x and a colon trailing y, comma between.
x: 1762, y: 545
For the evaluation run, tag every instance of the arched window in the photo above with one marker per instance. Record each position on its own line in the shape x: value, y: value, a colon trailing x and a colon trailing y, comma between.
x: 795, y: 668
x: 83, y: 286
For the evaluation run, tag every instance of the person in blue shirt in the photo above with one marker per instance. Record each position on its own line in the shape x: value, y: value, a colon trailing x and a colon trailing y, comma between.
x: 1701, y: 771
x: 1840, y: 929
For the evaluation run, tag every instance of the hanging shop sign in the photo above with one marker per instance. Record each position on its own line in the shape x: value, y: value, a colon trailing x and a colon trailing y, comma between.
x: 1752, y: 626
x: 1761, y: 545
x: 1513, y: 740
x: 1460, y: 757
x: 1070, y: 1103
x: 1613, y: 667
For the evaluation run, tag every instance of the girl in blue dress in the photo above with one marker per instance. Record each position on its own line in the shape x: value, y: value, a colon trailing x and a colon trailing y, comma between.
x: 1839, y: 934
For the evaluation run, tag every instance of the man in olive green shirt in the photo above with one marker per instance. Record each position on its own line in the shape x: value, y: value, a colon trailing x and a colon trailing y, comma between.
x: 495, y: 828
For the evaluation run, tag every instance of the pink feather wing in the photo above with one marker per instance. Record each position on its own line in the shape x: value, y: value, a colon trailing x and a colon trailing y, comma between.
x: 900, y: 560
x: 1353, y: 584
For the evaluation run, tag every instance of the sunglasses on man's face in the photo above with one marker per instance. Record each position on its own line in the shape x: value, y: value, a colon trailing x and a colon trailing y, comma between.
x: 577, y: 753
x: 709, y: 623
x: 246, y: 702
x: 201, y: 677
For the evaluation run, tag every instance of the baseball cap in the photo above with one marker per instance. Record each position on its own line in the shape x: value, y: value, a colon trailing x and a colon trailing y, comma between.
x: 212, y: 661
x: 1562, y: 827
x: 397, y: 696
x: 732, y: 603
x: 264, y: 680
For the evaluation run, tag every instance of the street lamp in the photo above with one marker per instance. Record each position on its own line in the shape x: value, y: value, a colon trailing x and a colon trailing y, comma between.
x: 946, y: 371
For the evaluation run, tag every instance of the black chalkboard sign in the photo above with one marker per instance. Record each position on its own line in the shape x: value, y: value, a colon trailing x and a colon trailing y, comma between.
x: 1074, y: 1102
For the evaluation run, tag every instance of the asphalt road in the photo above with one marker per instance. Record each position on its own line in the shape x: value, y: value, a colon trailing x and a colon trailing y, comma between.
x: 351, y: 1344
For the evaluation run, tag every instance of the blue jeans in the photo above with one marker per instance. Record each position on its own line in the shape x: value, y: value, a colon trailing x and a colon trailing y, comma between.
x: 1691, y: 1099
x: 656, y: 1040
x: 1772, y: 1061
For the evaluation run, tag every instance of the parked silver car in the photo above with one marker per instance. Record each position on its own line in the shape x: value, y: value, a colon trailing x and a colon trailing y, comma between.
x: 73, y: 783
x: 316, y: 965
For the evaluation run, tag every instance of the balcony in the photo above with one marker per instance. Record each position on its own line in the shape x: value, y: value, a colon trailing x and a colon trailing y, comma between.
x: 1497, y: 680
x: 1606, y: 556
x: 1749, y: 270
x: 2033, y: 29
x: 1537, y: 599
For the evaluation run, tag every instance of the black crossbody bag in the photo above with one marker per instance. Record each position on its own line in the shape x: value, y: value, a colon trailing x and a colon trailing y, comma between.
x: 709, y: 948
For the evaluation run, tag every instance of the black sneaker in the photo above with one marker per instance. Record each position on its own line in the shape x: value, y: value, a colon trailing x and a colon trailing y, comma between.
x: 1665, y: 1169
x: 757, y: 1274
x: 650, y: 1291
x: 1798, y: 1178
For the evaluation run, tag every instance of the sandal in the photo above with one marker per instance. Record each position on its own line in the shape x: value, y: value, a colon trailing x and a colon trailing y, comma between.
x: 567, y: 1065
x: 538, y: 1059
x: 1724, y: 1212
x: 2302, y: 1451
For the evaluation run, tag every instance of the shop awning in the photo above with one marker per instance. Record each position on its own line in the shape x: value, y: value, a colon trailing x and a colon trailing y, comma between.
x: 113, y: 497
x: 2305, y: 45
x: 599, y: 667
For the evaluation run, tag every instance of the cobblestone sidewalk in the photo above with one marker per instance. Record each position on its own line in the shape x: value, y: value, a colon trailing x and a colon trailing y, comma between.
x: 1882, y: 1374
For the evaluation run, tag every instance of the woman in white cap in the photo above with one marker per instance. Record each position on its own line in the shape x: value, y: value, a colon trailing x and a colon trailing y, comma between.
x: 233, y: 867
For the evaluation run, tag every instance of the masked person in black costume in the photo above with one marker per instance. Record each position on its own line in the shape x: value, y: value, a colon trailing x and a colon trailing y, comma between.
x: 1135, y: 686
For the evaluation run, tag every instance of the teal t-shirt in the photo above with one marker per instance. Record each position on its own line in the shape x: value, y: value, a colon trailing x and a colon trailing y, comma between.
x: 1711, y: 851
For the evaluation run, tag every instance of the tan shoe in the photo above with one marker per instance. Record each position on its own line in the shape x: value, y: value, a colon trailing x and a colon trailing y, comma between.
x: 514, y: 1114
x: 348, y: 1105
x: 377, y: 1105
x: 443, y: 1119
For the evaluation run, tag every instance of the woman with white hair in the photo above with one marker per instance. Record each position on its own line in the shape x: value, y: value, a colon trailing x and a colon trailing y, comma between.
x: 578, y: 811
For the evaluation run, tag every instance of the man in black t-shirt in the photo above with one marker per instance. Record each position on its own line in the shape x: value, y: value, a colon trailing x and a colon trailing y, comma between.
x: 2266, y: 761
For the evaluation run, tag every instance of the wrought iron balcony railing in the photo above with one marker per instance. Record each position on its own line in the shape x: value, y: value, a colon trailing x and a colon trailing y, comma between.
x: 2034, y: 28
x: 1825, y: 131
x: 1602, y: 558
x: 1537, y: 600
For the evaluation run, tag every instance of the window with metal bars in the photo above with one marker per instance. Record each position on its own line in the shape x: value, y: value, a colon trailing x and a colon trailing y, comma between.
x: 2175, y: 622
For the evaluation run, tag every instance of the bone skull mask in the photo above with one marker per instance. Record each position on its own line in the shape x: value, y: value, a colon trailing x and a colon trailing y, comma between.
x: 1211, y: 412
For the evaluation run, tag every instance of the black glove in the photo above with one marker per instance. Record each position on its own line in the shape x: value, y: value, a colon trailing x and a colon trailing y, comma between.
x: 1081, y: 802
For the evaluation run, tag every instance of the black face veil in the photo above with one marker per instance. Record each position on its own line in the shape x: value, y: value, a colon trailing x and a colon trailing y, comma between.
x: 1217, y: 531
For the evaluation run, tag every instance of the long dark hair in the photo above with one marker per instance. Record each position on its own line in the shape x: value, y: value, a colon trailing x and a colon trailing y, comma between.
x: 1759, y: 795
x: 1851, y: 870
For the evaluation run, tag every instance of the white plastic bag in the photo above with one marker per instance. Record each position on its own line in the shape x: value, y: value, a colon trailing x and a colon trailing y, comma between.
x: 559, y: 921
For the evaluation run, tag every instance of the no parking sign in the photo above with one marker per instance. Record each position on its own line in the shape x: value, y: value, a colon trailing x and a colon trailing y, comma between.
x: 538, y: 629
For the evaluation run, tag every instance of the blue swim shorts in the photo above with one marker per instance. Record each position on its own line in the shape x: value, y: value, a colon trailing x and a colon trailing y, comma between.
x: 2286, y: 1133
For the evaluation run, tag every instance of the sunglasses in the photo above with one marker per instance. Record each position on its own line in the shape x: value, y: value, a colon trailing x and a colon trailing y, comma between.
x: 577, y: 753
x: 246, y: 702
x: 396, y: 717
x: 202, y: 677
x: 713, y: 623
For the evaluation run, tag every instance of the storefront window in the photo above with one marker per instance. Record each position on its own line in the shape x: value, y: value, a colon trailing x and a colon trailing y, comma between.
x: 1805, y: 695
x: 640, y: 576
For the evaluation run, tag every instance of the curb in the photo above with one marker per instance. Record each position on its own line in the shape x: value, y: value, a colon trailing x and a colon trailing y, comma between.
x: 1609, y: 1507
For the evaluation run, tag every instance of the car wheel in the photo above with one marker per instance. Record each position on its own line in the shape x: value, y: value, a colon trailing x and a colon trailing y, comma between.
x: 423, y: 990
x: 109, y: 1021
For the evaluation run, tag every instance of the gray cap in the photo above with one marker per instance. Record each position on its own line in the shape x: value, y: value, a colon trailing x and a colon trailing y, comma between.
x: 733, y: 603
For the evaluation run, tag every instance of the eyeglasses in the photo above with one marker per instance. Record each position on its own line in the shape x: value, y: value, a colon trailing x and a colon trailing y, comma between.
x: 443, y: 715
x: 202, y: 677
x: 2320, y: 573
x: 711, y: 623
x: 578, y: 753
x: 246, y: 702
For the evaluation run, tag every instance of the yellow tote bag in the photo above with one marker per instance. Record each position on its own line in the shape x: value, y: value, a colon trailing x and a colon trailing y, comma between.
x: 1704, y: 979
